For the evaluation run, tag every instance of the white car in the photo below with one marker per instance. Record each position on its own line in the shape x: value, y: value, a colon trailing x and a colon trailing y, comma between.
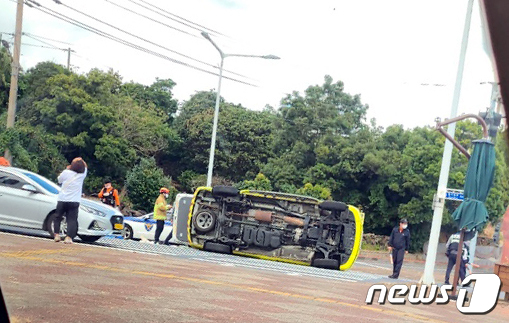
x: 29, y: 200
x: 144, y: 227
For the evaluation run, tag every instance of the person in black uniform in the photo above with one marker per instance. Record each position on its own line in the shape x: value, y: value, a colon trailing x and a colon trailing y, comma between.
x: 399, y: 242
x: 452, y: 252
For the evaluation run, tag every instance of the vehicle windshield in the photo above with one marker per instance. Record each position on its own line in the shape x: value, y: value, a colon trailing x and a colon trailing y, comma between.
x: 45, y: 183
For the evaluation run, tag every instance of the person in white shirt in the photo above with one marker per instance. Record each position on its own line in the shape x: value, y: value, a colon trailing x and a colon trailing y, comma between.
x: 69, y: 198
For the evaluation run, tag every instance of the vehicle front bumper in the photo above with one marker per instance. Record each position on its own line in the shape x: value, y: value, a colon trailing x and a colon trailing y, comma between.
x: 103, y: 226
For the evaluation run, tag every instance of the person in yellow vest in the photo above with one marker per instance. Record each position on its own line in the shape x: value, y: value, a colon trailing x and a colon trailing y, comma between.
x: 160, y: 209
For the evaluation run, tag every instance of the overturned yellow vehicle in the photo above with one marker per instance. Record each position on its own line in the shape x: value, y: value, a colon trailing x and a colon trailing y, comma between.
x: 275, y: 226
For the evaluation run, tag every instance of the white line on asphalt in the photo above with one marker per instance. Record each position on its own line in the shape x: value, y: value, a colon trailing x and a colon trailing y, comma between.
x: 78, y: 244
x: 279, y: 270
x: 370, y: 265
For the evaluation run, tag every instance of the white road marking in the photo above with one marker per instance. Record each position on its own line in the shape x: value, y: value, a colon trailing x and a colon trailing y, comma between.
x: 370, y: 265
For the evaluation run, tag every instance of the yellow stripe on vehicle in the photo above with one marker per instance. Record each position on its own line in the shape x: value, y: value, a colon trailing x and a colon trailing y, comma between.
x: 358, y: 239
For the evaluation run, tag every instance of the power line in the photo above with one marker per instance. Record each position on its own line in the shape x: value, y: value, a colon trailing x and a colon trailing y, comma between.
x: 42, y: 41
x: 126, y: 43
x: 92, y: 61
x: 174, y: 15
x: 34, y: 37
x: 144, y: 39
x: 41, y: 46
x: 151, y: 19
x: 53, y: 40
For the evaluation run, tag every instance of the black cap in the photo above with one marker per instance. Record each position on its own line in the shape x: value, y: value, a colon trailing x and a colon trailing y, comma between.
x: 403, y: 221
x: 107, y: 180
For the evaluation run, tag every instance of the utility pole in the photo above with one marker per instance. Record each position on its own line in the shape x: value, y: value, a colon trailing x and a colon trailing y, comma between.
x: 13, y: 94
x: 69, y: 58
x: 428, y: 277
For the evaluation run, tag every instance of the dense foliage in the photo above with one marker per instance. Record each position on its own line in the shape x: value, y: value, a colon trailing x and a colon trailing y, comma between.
x: 315, y: 143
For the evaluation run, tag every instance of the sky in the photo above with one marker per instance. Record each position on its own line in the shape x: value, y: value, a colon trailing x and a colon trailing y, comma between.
x: 382, y: 50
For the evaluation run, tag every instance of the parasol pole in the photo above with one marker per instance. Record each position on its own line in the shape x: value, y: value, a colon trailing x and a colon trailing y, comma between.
x: 458, y: 264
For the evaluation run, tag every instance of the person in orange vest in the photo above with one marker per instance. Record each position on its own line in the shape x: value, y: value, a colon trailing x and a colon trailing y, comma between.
x: 109, y: 195
x: 4, y: 162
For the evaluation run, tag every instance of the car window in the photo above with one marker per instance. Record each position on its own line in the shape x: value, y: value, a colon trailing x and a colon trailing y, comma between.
x: 11, y: 181
x: 46, y: 184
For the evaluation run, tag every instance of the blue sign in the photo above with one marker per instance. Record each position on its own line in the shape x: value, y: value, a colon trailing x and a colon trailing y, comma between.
x: 455, y: 195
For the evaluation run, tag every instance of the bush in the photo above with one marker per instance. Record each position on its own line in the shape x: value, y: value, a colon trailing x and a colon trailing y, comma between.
x: 260, y: 183
x: 187, y: 180
x: 316, y: 191
x: 143, y: 183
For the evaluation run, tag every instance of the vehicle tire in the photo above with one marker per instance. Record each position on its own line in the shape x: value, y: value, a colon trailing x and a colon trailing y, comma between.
x: 63, y: 225
x: 89, y: 238
x: 204, y: 221
x: 326, y: 263
x: 224, y: 191
x: 333, y: 206
x: 217, y: 247
x: 127, y: 233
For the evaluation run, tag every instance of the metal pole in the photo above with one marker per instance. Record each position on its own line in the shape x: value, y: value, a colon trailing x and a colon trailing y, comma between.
x: 428, y: 277
x: 214, y: 127
x: 13, y: 94
x: 458, y: 262
x: 69, y: 58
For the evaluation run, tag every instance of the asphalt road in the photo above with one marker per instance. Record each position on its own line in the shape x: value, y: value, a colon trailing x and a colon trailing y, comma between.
x: 114, y: 280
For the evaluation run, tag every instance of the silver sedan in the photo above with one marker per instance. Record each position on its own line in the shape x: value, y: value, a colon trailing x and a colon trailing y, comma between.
x: 29, y: 200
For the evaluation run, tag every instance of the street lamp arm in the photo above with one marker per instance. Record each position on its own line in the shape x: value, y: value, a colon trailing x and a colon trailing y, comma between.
x: 206, y: 36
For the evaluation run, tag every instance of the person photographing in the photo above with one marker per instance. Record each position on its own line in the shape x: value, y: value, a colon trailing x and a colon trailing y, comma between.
x: 160, y: 209
x: 69, y: 199
x: 399, y: 242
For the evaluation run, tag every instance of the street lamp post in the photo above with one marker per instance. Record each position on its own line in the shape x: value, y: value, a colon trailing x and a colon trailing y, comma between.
x: 218, y: 96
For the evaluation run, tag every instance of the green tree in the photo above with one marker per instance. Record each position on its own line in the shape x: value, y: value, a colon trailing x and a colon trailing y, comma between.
x: 260, y: 183
x: 158, y: 95
x: 5, y: 78
x: 243, y: 141
x: 143, y: 183
x: 316, y: 191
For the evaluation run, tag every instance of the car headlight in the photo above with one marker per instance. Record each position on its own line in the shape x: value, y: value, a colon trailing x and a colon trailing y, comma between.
x: 92, y: 210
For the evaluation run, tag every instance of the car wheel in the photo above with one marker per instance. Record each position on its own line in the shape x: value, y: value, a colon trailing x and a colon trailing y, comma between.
x: 63, y: 225
x: 204, y: 221
x: 217, y: 247
x: 326, y: 263
x: 127, y: 233
x: 224, y: 191
x: 333, y: 206
x: 90, y: 238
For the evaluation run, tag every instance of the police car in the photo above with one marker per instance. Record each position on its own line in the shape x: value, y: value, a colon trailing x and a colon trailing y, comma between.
x: 144, y: 227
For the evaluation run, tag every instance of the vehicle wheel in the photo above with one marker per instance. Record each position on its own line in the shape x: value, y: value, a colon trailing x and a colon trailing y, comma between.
x: 204, y: 221
x: 326, y: 263
x: 127, y: 233
x: 224, y: 191
x: 217, y: 247
x: 63, y: 226
x: 90, y: 238
x: 333, y: 206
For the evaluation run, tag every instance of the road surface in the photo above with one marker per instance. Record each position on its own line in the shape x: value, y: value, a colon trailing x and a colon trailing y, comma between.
x: 127, y: 281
